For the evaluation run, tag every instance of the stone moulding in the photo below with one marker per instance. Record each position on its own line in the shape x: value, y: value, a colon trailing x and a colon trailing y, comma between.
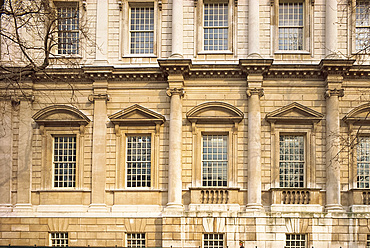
x: 137, y: 114
x: 215, y: 112
x: 294, y: 113
x: 60, y: 115
x: 359, y: 115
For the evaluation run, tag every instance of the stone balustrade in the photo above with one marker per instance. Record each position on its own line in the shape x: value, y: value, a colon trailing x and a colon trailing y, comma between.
x: 215, y: 196
x: 296, y: 196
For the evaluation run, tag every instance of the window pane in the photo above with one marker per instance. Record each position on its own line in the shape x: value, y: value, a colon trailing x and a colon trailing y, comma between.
x: 291, y: 26
x: 138, y: 161
x: 142, y: 30
x: 363, y: 163
x: 214, y: 160
x: 362, y: 25
x: 136, y: 240
x: 216, y: 26
x: 295, y: 241
x: 291, y: 164
x: 59, y: 239
x: 64, y: 161
x: 213, y: 240
x: 68, y: 29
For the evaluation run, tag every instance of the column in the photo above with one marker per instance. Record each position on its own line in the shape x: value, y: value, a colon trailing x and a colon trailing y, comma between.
x: 6, y: 143
x: 253, y: 28
x: 177, y: 29
x: 99, y: 98
x: 333, y: 149
x: 101, y: 31
x: 175, y: 148
x: 331, y: 27
x: 254, y: 148
x: 24, y: 155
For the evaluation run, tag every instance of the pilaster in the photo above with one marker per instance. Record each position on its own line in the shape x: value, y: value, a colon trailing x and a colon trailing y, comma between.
x: 177, y: 28
x: 99, y: 98
x: 333, y: 71
x: 255, y: 70
x: 331, y: 33
x: 253, y: 28
x: 174, y: 70
x: 6, y: 144
x: 24, y: 155
x: 101, y: 32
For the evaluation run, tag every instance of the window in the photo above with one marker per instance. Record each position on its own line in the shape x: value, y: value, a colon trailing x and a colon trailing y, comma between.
x: 292, y: 161
x: 68, y: 28
x: 213, y: 240
x: 295, y: 241
x: 136, y: 240
x: 368, y: 241
x: 138, y: 162
x: 214, y: 160
x: 64, y: 161
x: 141, y: 30
x: 363, y: 163
x: 216, y: 24
x: 291, y: 26
x: 59, y: 239
x: 362, y: 29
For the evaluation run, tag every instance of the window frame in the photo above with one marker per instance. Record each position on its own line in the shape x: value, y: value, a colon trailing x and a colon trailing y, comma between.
x: 80, y: 8
x: 199, y: 35
x: 355, y: 157
x: 51, y: 239
x: 310, y: 148
x: 307, y: 26
x: 130, y: 233
x: 352, y: 6
x: 48, y: 153
x: 295, y: 234
x: 227, y: 135
x: 128, y: 133
x: 212, y: 233
x: 54, y: 162
x: 304, y: 161
x: 126, y: 30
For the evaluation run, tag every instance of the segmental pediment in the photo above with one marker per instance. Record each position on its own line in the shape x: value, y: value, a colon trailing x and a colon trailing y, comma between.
x: 215, y: 112
x: 60, y: 115
x: 359, y: 115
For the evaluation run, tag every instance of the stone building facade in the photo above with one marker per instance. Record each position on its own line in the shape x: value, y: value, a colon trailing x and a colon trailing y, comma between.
x: 205, y: 124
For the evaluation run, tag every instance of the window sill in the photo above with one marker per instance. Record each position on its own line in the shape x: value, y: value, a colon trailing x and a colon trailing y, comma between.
x: 227, y: 52
x: 62, y: 190
x: 66, y: 56
x: 139, y: 56
x: 135, y: 190
x: 295, y: 52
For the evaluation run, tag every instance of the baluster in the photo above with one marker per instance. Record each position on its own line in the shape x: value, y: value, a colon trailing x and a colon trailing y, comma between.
x: 202, y: 196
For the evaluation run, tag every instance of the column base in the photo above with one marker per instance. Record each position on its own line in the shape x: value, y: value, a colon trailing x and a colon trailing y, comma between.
x: 173, y: 209
x: 22, y: 207
x: 254, y: 206
x: 98, y: 208
x: 334, y: 208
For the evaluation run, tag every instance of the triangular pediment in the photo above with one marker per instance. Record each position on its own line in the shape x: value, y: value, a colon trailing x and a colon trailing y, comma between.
x: 60, y: 115
x: 294, y: 112
x: 137, y: 114
x: 359, y: 115
x: 215, y: 112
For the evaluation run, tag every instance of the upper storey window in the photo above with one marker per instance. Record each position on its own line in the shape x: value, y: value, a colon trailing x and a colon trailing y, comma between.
x: 68, y: 27
x: 362, y: 28
x: 291, y: 26
x: 141, y: 30
x: 216, y: 26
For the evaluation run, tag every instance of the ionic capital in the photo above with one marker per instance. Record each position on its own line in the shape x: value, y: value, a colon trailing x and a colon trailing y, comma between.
x: 94, y: 97
x: 255, y: 91
x: 175, y: 91
x: 334, y: 92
